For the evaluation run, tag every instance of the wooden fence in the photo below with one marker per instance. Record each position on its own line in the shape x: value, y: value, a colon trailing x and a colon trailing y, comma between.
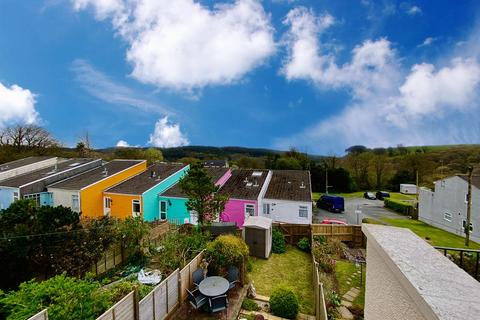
x: 186, y: 281
x: 162, y: 300
x: 124, y: 309
x: 319, y: 296
x: 294, y: 232
x: 42, y: 315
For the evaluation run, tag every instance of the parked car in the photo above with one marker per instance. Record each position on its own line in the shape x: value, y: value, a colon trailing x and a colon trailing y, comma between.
x: 333, y: 221
x: 331, y: 203
x: 382, y: 195
x: 369, y: 195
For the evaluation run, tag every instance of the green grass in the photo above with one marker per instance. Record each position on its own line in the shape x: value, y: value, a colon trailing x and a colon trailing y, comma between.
x: 292, y: 269
x: 438, y: 237
x: 401, y: 196
x: 343, y: 270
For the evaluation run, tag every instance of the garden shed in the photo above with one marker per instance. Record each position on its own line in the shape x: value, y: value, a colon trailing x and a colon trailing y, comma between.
x: 257, y: 233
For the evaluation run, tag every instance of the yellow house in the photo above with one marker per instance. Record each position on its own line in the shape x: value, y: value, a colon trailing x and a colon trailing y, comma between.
x: 84, y: 192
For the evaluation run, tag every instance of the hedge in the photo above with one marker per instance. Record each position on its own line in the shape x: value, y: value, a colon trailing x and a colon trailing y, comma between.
x: 398, y: 206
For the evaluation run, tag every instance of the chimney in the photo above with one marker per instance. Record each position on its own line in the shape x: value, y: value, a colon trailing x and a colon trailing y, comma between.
x: 302, y: 186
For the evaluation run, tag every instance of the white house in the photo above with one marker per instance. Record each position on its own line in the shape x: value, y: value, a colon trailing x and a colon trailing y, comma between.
x: 288, y: 197
x: 446, y: 206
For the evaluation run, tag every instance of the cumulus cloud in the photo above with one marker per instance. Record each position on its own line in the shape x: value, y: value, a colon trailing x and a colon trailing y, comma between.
x: 426, y: 104
x: 411, y: 10
x: 167, y: 135
x: 17, y: 105
x: 122, y: 144
x: 427, y: 42
x: 185, y: 45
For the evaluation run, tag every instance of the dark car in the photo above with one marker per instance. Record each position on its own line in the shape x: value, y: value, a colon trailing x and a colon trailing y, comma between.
x: 331, y: 203
x: 382, y: 195
x: 369, y: 195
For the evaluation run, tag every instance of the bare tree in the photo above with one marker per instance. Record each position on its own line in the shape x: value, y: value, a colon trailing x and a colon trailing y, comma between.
x: 27, y: 136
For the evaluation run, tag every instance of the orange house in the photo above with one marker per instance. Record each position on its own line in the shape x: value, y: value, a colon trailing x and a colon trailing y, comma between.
x: 84, y: 192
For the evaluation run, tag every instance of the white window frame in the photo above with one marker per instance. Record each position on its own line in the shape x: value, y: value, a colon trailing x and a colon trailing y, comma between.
x: 466, y: 197
x: 160, y: 209
x: 247, y: 212
x: 303, y: 209
x: 447, y: 216
x: 33, y: 196
x: 266, y: 208
x: 16, y: 196
x: 108, y: 203
x: 136, y: 213
x: 77, y: 198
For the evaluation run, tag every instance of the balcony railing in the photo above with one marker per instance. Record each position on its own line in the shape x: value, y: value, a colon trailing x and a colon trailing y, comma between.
x: 467, y: 259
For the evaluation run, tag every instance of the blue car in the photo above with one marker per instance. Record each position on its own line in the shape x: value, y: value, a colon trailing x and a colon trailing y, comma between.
x: 331, y: 203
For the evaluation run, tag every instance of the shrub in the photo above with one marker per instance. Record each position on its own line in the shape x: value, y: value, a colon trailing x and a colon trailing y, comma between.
x: 398, y: 206
x: 304, y: 244
x: 284, y: 303
x: 250, y: 305
x: 226, y: 250
x: 278, y: 241
x: 334, y: 299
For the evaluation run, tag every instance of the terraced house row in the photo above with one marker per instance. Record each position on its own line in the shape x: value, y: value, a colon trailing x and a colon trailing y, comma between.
x: 128, y: 188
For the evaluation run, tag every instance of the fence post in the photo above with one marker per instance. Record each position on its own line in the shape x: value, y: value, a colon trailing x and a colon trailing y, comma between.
x: 136, y: 306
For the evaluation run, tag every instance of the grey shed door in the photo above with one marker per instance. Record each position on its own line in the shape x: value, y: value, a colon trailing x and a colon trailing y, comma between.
x: 255, y: 239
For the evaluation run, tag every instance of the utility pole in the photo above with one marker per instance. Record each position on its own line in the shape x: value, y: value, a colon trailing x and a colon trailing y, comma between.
x: 416, y: 195
x: 326, y: 179
x: 469, y: 206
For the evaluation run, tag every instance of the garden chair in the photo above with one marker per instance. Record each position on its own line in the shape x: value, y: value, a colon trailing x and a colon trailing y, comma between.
x: 233, y: 273
x: 197, y: 276
x: 218, y: 303
x: 196, y: 299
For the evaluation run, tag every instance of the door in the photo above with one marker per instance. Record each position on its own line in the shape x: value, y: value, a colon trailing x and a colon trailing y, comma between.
x: 163, y: 210
x: 107, y: 208
x: 255, y: 239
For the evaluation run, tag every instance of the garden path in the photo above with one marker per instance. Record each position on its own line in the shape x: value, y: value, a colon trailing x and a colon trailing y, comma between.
x: 349, y: 297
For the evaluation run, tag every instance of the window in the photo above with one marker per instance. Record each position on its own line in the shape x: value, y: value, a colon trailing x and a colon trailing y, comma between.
x: 464, y: 224
x: 15, y: 196
x: 75, y: 203
x: 34, y: 197
x: 163, y: 210
x: 442, y: 183
x: 466, y: 197
x: 257, y: 173
x: 266, y: 208
x: 136, y: 208
x: 249, y: 210
x: 108, y: 203
x: 447, y: 216
x: 303, y: 212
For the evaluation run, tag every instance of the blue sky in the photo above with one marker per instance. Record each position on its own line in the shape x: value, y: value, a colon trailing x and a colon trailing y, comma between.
x: 316, y: 75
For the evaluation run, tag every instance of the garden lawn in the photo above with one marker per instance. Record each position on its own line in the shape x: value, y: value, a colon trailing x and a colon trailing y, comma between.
x: 343, y: 270
x: 438, y: 237
x: 292, y: 269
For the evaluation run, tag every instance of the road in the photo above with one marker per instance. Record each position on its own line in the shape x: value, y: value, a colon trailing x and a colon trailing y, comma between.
x: 369, y: 208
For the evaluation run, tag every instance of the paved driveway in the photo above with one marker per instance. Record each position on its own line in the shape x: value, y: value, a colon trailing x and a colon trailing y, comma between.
x: 368, y: 208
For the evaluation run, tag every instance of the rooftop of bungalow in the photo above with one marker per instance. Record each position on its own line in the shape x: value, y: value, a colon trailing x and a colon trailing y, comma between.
x: 147, y: 179
x: 95, y: 175
x: 176, y: 192
x: 21, y: 162
x: 291, y: 185
x: 30, y: 177
x: 245, y: 184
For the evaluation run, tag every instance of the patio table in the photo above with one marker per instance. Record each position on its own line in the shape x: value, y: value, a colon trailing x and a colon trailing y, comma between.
x: 213, y: 286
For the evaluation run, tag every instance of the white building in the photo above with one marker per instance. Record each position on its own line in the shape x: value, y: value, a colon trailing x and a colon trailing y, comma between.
x: 446, y: 207
x: 407, y: 188
x: 288, y: 197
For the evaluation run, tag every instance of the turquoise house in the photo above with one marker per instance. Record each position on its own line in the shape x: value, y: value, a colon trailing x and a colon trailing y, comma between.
x: 138, y: 195
x: 173, y: 200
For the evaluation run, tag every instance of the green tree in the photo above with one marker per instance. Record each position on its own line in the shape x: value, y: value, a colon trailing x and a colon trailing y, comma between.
x: 153, y: 155
x: 288, y: 163
x: 203, y: 196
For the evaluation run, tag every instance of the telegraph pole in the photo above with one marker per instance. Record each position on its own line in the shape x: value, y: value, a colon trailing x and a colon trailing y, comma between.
x: 469, y: 206
x: 326, y: 179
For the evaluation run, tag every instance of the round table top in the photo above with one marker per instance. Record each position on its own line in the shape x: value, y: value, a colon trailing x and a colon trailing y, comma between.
x: 213, y: 286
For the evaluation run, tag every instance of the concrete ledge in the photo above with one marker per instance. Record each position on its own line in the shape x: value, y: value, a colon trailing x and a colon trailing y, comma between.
x: 439, y: 288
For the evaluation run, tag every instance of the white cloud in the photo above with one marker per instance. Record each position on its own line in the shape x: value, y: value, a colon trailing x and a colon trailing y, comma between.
x: 428, y: 104
x: 372, y: 67
x: 427, y: 42
x: 185, y: 45
x: 17, y: 105
x: 105, y: 89
x: 167, y: 135
x: 122, y: 144
x: 411, y: 10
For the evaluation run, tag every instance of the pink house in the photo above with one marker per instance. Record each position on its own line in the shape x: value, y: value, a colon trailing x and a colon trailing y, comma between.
x: 246, y: 188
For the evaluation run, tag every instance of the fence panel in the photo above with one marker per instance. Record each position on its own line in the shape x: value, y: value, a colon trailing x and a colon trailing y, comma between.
x: 319, y: 295
x: 186, y: 281
x: 122, y: 310
x: 351, y: 233
x: 293, y: 232
x: 161, y: 300
x: 42, y: 315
